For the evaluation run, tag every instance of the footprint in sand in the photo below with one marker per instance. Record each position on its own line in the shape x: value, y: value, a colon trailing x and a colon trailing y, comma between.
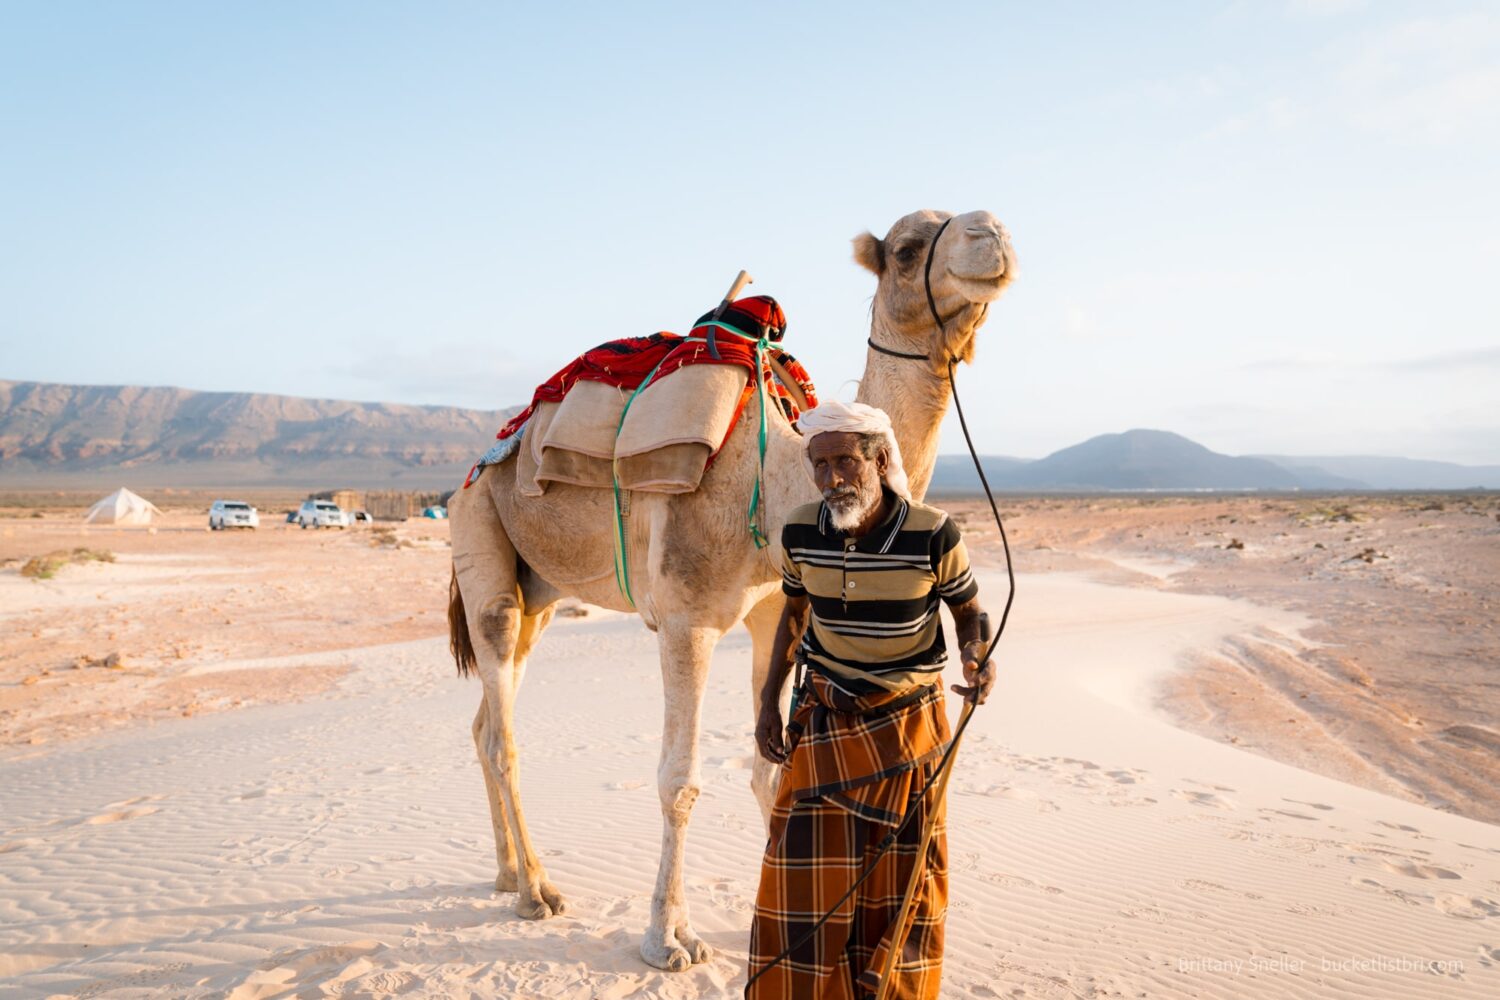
x: 1315, y: 910
x: 1475, y: 847
x: 117, y: 812
x: 1414, y: 870
x: 116, y: 817
x: 328, y: 966
x: 1149, y: 914
x: 1397, y: 826
x: 1488, y: 956
x: 1019, y: 881
x: 1203, y: 798
x: 1469, y: 908
x: 135, y: 801
x: 1288, y: 812
x: 1086, y: 765
x: 1311, y: 805
x: 1409, y: 898
x: 1207, y: 887
x: 1396, y: 864
x: 1022, y: 795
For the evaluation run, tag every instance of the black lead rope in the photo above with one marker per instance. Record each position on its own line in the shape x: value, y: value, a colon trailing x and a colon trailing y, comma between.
x: 963, y: 723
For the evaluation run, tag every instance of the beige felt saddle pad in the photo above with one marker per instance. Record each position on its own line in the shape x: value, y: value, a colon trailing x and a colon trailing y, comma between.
x: 673, y: 427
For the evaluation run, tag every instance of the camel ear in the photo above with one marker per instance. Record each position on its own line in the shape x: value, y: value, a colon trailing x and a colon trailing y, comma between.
x: 869, y: 253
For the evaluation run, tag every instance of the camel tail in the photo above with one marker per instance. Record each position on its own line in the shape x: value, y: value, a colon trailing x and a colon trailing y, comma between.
x: 458, y: 630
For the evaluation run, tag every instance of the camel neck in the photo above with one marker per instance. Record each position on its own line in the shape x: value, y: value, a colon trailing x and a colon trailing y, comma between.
x: 915, y: 397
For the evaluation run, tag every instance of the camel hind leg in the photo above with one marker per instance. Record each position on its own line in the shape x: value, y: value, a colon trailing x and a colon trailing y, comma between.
x: 500, y: 635
x: 505, y: 848
x: 507, y: 880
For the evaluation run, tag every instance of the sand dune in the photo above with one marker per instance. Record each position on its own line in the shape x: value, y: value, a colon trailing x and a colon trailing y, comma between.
x: 341, y: 846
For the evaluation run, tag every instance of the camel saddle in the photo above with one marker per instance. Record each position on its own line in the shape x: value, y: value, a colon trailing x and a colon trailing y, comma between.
x: 652, y: 413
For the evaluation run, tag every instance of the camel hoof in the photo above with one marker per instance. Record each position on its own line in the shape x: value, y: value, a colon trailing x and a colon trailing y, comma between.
x: 540, y: 903
x: 665, y: 953
x: 533, y: 909
x: 697, y: 949
x: 554, y: 899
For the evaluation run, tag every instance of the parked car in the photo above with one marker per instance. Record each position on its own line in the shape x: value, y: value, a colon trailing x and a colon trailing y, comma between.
x: 321, y: 514
x: 361, y: 517
x: 436, y: 513
x: 232, y: 514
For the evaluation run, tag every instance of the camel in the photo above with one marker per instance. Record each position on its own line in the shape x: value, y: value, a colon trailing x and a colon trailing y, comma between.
x: 694, y: 569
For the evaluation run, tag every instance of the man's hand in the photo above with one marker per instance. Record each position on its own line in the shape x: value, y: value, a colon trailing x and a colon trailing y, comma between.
x: 769, y: 734
x: 980, y: 681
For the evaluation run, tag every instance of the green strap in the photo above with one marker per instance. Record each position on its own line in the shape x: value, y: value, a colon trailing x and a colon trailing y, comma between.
x: 622, y: 563
x: 757, y: 533
x: 756, y: 513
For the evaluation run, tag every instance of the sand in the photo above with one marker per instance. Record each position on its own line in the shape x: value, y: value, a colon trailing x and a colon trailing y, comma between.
x: 337, y: 844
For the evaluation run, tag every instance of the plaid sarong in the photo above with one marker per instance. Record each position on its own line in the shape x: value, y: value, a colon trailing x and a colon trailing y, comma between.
x: 852, y: 773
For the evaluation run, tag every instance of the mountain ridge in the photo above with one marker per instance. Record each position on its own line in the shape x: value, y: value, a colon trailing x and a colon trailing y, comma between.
x: 54, y: 435
x: 57, y: 433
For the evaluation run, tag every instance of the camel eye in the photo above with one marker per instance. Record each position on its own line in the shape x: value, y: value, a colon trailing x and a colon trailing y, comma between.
x: 906, y: 254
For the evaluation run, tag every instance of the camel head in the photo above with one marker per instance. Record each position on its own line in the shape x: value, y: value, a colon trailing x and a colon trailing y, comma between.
x: 972, y: 263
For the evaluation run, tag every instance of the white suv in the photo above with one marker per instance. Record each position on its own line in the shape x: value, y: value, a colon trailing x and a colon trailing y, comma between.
x: 232, y: 514
x: 321, y: 514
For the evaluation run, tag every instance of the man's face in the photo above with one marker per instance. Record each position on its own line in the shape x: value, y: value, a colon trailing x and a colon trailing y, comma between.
x: 849, y: 481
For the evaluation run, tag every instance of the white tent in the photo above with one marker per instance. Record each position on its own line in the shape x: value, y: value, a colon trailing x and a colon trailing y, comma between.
x: 122, y: 507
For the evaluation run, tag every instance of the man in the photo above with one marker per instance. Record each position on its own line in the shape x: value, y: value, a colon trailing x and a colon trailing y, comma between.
x: 863, y: 573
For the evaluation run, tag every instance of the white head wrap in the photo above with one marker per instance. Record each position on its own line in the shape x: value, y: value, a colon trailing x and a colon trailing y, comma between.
x: 831, y: 416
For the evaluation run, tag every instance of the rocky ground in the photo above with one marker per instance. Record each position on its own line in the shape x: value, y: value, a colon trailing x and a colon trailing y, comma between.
x: 1397, y: 684
x: 175, y: 621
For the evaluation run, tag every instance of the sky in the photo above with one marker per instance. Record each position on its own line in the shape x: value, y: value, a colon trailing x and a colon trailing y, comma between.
x: 1268, y: 226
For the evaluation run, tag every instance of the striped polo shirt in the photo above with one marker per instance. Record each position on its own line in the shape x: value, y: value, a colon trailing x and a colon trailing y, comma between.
x: 874, y: 599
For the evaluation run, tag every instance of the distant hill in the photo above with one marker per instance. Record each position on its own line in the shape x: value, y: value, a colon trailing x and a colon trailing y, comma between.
x: 87, y: 436
x: 1134, y: 460
x: 955, y: 473
x: 1396, y: 473
x: 1149, y: 460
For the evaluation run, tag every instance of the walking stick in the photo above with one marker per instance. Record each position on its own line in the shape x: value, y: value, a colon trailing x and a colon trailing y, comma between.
x: 900, y: 932
x: 740, y: 281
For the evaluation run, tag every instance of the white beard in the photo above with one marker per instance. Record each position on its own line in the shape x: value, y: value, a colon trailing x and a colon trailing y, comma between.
x: 848, y: 516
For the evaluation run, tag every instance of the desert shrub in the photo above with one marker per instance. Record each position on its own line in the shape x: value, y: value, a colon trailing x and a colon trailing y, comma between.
x: 45, y: 567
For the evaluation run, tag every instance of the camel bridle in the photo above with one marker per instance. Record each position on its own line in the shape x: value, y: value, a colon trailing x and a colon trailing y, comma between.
x: 932, y: 305
x: 941, y: 773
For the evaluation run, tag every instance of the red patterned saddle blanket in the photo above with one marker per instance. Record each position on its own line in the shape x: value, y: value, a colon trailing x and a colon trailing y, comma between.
x: 648, y: 433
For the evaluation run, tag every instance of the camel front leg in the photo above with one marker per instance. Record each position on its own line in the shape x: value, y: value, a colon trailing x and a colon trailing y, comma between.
x: 761, y: 623
x: 686, y: 651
